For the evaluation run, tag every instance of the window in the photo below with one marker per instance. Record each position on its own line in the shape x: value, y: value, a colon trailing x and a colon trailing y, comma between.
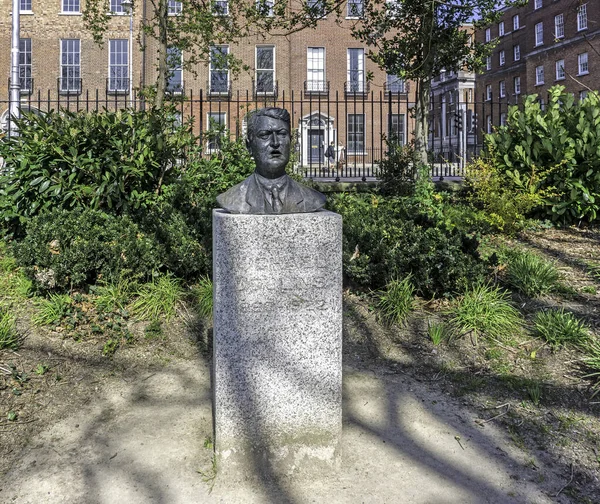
x: 488, y: 124
x: 70, y: 66
x: 315, y: 70
x: 517, y: 85
x: 582, y: 17
x: 216, y: 129
x: 503, y: 119
x: 395, y: 84
x: 116, y: 7
x: 582, y: 63
x: 539, y: 34
x: 219, y: 71
x: 316, y: 8
x: 265, y: 69
x: 356, y: 133
x: 25, y: 6
x: 501, y: 28
x: 502, y: 89
x: 25, y: 81
x: 118, y: 65
x: 559, y: 26
x: 539, y: 75
x: 488, y: 63
x: 516, y: 52
x: 356, y: 70
x: 583, y: 94
x: 70, y: 6
x: 488, y: 34
x: 560, y: 69
x: 537, y: 4
x: 488, y: 92
x: 502, y: 57
x: 175, y: 64
x: 396, y: 128
x: 221, y: 7
x: 516, y: 24
x: 355, y: 8
x: 265, y: 7
x: 174, y: 8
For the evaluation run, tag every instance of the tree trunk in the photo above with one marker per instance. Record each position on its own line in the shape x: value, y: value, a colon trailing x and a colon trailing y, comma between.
x: 163, y: 68
x: 421, y: 120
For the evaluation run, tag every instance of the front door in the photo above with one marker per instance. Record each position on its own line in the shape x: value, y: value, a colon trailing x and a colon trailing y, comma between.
x: 315, y: 144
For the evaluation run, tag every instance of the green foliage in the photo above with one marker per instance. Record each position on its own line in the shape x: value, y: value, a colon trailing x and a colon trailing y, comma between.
x: 9, y: 336
x: 559, y: 328
x: 52, y: 310
x: 158, y: 298
x: 65, y: 249
x: 154, y: 329
x: 531, y: 274
x: 113, y: 297
x: 591, y: 360
x: 437, y: 331
x: 203, y: 297
x: 397, y: 169
x: 396, y: 301
x: 115, y: 161
x: 487, y: 310
x: 387, y: 238
x: 554, y: 150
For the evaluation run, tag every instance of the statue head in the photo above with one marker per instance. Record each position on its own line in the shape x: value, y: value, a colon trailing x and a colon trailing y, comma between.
x: 268, y: 140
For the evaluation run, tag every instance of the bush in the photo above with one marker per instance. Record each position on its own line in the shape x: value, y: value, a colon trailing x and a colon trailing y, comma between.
x: 397, y: 169
x: 531, y: 274
x: 388, y: 238
x: 558, y: 327
x: 66, y: 249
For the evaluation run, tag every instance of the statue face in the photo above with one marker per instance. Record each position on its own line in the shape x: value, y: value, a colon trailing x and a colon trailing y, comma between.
x: 269, y: 145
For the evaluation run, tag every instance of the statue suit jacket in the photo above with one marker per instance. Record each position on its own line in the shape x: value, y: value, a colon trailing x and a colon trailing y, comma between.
x: 248, y: 197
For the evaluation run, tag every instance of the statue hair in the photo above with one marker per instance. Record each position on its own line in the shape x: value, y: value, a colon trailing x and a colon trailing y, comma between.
x: 274, y: 112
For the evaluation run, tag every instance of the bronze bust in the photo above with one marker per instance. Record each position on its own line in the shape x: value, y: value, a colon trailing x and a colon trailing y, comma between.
x: 269, y: 190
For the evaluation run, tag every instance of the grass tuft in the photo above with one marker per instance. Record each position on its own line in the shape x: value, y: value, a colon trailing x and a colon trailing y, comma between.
x: 437, y: 332
x: 114, y: 297
x: 396, y: 301
x: 485, y: 310
x: 531, y: 274
x: 203, y: 297
x: 9, y: 336
x: 591, y: 360
x: 157, y: 299
x: 52, y: 310
x: 558, y: 328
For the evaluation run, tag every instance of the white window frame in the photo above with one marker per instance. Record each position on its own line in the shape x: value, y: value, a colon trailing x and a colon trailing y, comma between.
x: 355, y: 76
x: 266, y: 7
x: 503, y: 119
x: 315, y: 70
x: 559, y: 26
x: 175, y: 80
x: 265, y: 70
x: 221, y: 120
x: 539, y: 33
x: 539, y: 75
x: 353, y: 145
x: 516, y: 22
x: 537, y: 4
x: 502, y: 57
x: 501, y: 29
x: 115, y: 8
x: 118, y: 66
x: 25, y: 6
x: 582, y: 21
x: 488, y: 34
x: 488, y: 92
x: 70, y: 7
x: 220, y: 7
x: 488, y: 124
x: 354, y: 9
x: 213, y: 70
x: 517, y: 85
x: 516, y: 52
x: 583, y: 64
x: 70, y: 65
x: 488, y: 62
x: 559, y: 67
x: 502, y: 89
x: 25, y: 60
x: 174, y: 8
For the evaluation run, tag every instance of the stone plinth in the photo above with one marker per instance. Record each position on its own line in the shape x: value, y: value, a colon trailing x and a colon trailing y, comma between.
x: 277, y: 376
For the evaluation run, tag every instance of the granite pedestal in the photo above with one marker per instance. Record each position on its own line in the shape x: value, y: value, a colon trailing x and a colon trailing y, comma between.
x: 277, y: 366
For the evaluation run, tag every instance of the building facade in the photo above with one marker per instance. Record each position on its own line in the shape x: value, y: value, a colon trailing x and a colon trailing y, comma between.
x: 539, y: 45
x: 319, y: 75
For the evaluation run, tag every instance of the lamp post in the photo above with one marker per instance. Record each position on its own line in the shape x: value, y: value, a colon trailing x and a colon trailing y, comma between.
x: 15, y: 81
x: 128, y: 8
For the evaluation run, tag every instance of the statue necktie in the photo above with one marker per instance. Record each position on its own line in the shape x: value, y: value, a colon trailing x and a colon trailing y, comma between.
x: 276, y: 202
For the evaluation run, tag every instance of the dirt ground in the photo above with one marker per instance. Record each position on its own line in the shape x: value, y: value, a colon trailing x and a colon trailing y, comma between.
x: 422, y: 424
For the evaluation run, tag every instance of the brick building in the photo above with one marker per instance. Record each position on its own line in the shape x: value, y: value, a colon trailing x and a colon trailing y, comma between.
x: 539, y: 45
x: 319, y: 74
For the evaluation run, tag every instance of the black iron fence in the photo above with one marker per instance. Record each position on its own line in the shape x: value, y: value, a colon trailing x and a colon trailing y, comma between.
x: 356, y: 125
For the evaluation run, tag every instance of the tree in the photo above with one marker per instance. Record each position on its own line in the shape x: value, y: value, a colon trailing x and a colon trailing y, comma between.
x: 417, y: 39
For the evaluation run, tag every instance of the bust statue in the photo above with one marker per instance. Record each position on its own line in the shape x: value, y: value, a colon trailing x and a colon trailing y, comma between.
x: 269, y: 190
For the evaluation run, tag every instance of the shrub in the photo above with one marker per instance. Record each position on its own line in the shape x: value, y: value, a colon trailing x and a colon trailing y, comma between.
x: 531, y: 274
x: 558, y: 327
x: 396, y: 301
x: 487, y: 310
x: 397, y: 168
x: 63, y: 249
